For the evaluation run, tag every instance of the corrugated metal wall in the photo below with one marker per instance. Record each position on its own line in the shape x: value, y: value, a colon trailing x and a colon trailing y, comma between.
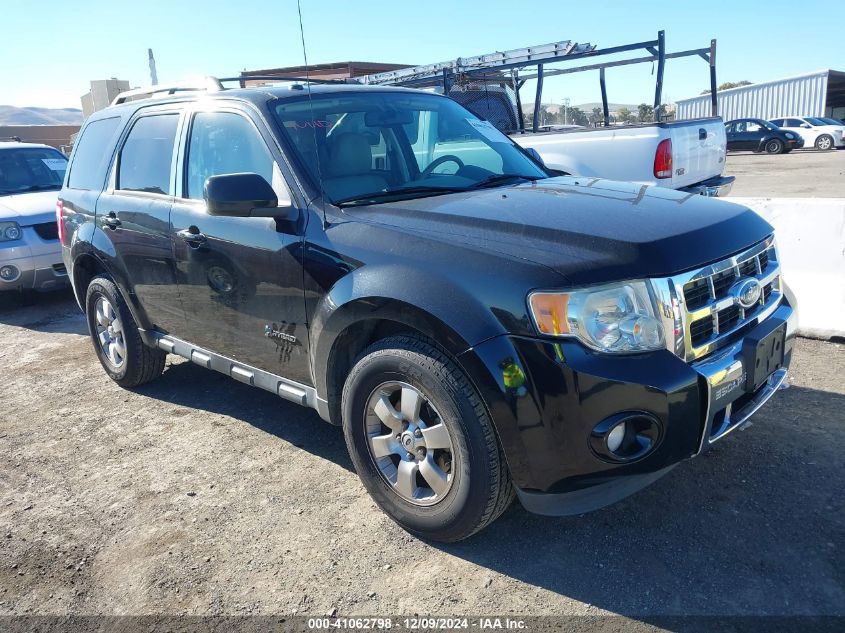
x: 801, y: 96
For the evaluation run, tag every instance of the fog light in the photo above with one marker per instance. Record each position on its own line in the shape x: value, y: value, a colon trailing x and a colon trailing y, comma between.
x: 9, y: 273
x: 626, y: 436
x: 615, y: 437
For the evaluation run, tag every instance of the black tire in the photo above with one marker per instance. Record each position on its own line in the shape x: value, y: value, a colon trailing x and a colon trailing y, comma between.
x: 481, y: 487
x: 774, y: 146
x: 824, y: 143
x: 141, y: 364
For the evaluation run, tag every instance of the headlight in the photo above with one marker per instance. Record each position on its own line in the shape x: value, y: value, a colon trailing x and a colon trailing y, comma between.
x: 9, y: 231
x: 615, y: 318
x: 789, y: 135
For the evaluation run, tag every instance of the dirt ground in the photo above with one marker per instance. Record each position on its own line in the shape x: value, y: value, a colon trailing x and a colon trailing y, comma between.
x: 804, y: 173
x: 198, y: 495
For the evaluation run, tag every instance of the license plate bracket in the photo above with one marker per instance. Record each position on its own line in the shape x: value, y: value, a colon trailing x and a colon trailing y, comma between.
x: 762, y: 352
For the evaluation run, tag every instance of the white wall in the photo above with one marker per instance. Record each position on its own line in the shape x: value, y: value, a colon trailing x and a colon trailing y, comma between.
x: 802, y: 96
x: 810, y: 234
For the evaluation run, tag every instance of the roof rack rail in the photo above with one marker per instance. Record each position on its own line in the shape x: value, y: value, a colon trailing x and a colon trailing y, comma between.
x: 311, y: 80
x: 210, y: 84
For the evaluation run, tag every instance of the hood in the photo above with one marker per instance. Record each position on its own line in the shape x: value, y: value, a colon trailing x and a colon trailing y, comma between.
x: 589, y: 230
x: 29, y: 208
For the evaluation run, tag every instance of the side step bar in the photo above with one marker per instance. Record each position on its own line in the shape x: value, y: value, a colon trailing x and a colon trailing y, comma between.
x: 287, y: 389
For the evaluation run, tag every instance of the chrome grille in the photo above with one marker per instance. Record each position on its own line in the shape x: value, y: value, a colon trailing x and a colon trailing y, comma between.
x: 702, y: 307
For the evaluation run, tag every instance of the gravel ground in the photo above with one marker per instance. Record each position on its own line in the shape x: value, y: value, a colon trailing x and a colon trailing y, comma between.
x: 198, y: 495
x: 804, y: 173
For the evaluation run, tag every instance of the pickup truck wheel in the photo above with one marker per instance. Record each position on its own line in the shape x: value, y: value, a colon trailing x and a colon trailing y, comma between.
x: 774, y: 146
x: 116, y: 339
x: 824, y: 142
x: 422, y: 441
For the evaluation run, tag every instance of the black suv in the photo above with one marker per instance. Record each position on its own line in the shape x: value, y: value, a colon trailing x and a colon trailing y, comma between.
x: 479, y: 326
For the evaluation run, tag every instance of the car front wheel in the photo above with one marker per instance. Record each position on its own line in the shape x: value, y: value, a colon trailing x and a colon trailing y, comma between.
x: 422, y: 442
x: 824, y: 142
x: 774, y: 146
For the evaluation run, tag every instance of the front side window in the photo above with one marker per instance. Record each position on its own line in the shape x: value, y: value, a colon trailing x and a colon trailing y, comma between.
x: 147, y: 155
x: 224, y: 143
x: 394, y: 145
x: 753, y: 126
x: 793, y: 123
x: 25, y: 169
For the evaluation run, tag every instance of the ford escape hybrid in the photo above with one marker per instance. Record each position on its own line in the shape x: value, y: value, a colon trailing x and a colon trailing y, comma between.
x: 480, y: 327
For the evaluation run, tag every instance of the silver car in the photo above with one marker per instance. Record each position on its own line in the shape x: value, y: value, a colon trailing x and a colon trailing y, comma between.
x: 31, y: 176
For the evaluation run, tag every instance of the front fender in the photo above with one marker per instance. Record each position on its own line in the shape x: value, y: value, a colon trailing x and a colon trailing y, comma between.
x: 422, y: 300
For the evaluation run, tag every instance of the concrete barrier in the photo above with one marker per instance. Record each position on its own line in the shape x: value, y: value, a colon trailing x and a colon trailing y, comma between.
x: 810, y: 234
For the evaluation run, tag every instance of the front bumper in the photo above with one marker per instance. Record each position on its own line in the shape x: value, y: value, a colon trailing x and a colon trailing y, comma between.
x: 38, y: 263
x: 568, y: 392
x: 716, y: 187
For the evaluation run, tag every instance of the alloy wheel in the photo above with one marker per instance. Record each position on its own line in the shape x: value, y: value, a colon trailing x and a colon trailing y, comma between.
x: 409, y: 443
x: 110, y: 332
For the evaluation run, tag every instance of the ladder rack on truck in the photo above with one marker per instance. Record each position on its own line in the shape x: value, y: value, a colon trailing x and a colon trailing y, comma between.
x: 445, y: 74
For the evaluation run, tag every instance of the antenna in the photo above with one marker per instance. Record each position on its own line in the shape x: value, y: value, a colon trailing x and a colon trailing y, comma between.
x: 311, y: 104
x: 153, y: 73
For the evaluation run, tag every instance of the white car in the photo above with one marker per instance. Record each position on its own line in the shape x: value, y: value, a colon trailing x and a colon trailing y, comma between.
x: 31, y: 176
x: 816, y: 132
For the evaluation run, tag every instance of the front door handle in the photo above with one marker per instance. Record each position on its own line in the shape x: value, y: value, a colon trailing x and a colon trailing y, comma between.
x: 111, y: 220
x: 192, y: 236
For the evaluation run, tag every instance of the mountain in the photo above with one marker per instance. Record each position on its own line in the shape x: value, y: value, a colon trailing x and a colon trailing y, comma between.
x: 10, y: 115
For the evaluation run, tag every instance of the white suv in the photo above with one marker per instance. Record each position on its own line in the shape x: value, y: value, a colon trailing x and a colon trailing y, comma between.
x: 31, y: 176
x: 816, y: 132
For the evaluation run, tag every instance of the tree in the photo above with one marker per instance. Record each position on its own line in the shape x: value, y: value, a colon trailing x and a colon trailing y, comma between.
x: 596, y: 116
x: 577, y: 116
x: 625, y: 116
x: 728, y: 85
x: 645, y: 113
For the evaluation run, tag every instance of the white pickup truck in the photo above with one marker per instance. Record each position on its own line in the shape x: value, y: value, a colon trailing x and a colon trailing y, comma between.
x: 687, y: 155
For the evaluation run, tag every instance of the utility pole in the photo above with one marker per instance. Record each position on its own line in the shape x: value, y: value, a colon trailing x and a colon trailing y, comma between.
x: 153, y: 74
x: 565, y: 106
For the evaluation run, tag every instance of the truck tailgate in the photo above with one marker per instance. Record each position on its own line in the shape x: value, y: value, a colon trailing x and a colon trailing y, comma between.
x: 698, y: 151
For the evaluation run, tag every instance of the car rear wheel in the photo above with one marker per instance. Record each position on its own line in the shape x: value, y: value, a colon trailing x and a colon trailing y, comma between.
x: 422, y: 442
x: 116, y: 339
x: 824, y: 142
x: 774, y: 146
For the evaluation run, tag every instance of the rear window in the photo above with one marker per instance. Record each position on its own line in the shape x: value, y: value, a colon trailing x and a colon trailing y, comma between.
x: 25, y: 169
x: 91, y: 155
x: 147, y: 154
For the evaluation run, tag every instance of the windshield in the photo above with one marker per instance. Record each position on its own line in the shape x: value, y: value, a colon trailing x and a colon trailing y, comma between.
x: 814, y: 121
x: 25, y: 169
x: 766, y: 124
x: 381, y: 146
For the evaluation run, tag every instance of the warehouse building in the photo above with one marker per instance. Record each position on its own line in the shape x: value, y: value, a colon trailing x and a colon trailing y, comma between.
x: 820, y: 93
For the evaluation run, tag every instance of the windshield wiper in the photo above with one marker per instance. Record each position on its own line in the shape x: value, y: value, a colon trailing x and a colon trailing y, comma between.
x: 499, y: 179
x: 36, y: 188
x: 392, y: 193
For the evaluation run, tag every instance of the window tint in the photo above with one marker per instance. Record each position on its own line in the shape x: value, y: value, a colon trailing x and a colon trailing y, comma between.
x: 793, y: 123
x: 92, y: 155
x: 224, y: 143
x: 147, y: 154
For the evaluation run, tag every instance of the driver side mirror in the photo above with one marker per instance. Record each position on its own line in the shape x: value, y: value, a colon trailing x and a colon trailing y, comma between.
x: 806, y: 126
x: 244, y: 195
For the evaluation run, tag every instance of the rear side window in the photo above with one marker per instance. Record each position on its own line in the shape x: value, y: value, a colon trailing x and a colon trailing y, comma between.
x: 92, y: 155
x: 147, y: 154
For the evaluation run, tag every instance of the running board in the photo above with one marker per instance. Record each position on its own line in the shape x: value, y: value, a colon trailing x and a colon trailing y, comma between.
x: 282, y: 387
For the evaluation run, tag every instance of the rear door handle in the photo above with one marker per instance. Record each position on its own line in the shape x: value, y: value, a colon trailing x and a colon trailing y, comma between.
x: 111, y: 220
x: 192, y: 236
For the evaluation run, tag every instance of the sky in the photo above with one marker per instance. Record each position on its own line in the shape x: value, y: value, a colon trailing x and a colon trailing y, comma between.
x: 50, y: 49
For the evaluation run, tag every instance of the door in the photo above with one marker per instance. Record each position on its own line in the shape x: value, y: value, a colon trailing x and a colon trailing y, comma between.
x: 731, y: 137
x: 134, y: 215
x: 240, y: 279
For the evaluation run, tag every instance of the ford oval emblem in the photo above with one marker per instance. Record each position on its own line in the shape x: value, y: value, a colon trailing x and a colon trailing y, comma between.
x: 747, y: 292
